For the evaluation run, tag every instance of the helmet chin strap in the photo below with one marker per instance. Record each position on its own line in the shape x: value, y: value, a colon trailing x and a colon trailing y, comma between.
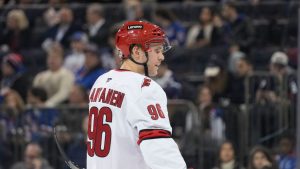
x: 143, y: 64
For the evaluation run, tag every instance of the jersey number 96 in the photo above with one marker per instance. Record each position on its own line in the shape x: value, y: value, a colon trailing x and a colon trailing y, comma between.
x: 155, y: 111
x: 99, y: 133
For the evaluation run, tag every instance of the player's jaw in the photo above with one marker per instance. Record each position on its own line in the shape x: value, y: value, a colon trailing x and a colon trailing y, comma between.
x: 153, y: 65
x: 155, y: 58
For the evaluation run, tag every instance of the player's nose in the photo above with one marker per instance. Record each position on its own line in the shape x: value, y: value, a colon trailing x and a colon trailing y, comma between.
x: 161, y: 57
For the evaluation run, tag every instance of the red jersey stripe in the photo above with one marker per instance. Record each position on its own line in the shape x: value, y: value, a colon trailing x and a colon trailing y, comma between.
x: 152, y: 134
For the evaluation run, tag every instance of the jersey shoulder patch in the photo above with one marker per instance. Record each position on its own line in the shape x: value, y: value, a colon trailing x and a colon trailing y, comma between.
x: 146, y: 82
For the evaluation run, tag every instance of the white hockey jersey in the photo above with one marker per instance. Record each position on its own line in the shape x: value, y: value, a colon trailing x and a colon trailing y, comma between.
x: 129, y: 126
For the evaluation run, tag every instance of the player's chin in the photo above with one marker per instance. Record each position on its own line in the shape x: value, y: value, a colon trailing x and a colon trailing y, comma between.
x: 153, y: 73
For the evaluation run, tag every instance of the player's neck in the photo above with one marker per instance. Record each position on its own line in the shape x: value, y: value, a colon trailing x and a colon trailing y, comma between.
x: 128, y: 65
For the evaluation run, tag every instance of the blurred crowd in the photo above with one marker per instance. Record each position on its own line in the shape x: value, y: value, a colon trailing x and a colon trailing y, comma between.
x: 243, y: 61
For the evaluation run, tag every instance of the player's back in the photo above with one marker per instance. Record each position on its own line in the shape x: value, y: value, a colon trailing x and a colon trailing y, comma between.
x: 112, y: 139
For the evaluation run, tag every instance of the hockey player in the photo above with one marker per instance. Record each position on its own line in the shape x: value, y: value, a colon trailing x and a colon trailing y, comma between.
x: 129, y: 126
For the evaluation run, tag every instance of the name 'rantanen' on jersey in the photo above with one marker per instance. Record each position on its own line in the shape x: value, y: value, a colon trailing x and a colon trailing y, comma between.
x: 108, y: 96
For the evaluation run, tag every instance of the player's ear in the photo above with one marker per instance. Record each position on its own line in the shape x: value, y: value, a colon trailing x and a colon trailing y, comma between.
x: 136, y: 52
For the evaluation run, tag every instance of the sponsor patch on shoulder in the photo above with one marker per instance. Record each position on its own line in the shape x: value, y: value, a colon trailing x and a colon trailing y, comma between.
x: 135, y: 27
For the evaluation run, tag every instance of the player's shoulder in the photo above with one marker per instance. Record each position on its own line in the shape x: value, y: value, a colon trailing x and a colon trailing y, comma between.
x: 126, y: 76
x: 137, y: 80
x: 132, y: 81
x: 148, y: 83
x: 120, y: 78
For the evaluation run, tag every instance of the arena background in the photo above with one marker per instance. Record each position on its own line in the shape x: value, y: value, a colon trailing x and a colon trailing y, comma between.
x: 234, y: 81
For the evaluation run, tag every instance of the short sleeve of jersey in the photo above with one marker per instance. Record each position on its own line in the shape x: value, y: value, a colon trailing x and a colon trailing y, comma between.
x: 148, y: 109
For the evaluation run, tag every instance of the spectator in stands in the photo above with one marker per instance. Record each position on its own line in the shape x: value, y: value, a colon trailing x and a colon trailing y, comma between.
x: 175, y: 31
x: 62, y: 31
x: 55, y: 2
x: 234, y: 54
x: 14, y: 103
x: 78, y: 96
x: 265, y: 112
x: 204, y: 33
x: 13, y: 108
x: 238, y: 28
x: 279, y: 65
x: 15, y: 36
x: 166, y: 79
x: 287, y: 156
x: 237, y: 89
x: 51, y: 17
x: 37, y: 122
x: 57, y: 81
x: 134, y: 10
x: 213, y: 126
x: 266, y: 91
x: 48, y: 19
x: 261, y: 158
x: 77, y: 149
x: 255, y: 2
x: 97, y: 27
x: 110, y: 54
x: 227, y: 157
x: 18, y: 2
x: 92, y: 68
x: 284, y: 76
x: 6, y: 153
x: 36, y: 97
x: 217, y: 78
x: 75, y: 59
x: 244, y: 67
x: 32, y: 158
x: 14, y: 75
x: 287, y: 80
x: 209, y: 131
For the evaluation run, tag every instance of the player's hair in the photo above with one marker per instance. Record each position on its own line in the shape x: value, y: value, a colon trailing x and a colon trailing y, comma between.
x: 96, y: 8
x: 130, y: 50
x: 20, y: 17
x: 132, y: 46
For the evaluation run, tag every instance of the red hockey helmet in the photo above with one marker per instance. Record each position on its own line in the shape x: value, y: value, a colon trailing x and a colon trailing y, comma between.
x: 140, y: 33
